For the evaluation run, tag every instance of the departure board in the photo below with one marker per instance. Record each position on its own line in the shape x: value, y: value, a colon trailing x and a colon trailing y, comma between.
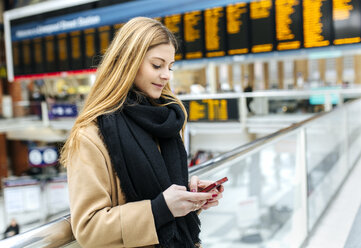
x: 317, y: 23
x: 104, y: 38
x: 26, y: 56
x: 193, y: 34
x: 159, y: 19
x: 237, y: 28
x: 116, y: 28
x: 212, y: 110
x: 38, y: 48
x: 63, y: 58
x: 288, y: 16
x: 91, y: 48
x: 17, y: 61
x: 76, y: 50
x: 262, y: 25
x: 215, y: 32
x: 175, y: 24
x: 346, y: 21
x: 50, y: 53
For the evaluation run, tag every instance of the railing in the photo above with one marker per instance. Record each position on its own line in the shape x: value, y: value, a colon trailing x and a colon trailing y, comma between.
x: 36, y: 110
x: 279, y: 186
x: 325, y: 97
x: 52, y: 235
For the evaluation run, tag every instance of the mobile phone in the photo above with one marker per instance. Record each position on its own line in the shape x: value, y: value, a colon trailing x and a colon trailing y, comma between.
x: 215, y: 184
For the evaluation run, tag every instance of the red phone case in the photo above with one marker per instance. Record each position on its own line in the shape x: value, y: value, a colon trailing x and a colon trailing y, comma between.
x: 215, y: 184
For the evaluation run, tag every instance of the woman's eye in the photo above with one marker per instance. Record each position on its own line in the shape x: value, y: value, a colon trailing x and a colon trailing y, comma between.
x: 156, y: 66
x: 170, y: 69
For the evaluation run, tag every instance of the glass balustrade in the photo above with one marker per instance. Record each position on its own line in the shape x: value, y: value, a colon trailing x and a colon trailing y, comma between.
x: 279, y: 185
x: 278, y: 190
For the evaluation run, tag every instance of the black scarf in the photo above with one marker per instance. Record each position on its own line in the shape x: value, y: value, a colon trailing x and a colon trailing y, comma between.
x: 144, y: 172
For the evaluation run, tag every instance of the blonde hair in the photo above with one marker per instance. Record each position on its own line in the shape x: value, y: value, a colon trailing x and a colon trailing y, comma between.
x: 116, y: 74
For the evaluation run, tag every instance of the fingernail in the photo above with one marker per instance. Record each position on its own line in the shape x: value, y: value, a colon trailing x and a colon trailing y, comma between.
x: 193, y: 190
x: 214, y: 195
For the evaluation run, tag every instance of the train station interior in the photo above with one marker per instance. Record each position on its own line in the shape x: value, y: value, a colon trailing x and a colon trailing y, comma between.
x: 272, y: 89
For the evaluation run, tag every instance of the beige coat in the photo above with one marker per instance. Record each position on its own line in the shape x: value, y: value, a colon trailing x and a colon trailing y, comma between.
x: 100, y: 217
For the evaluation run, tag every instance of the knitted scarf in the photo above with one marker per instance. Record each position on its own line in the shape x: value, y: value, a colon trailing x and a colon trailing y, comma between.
x: 144, y: 171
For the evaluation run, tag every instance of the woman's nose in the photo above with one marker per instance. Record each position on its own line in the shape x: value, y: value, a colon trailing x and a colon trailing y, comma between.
x: 165, y: 74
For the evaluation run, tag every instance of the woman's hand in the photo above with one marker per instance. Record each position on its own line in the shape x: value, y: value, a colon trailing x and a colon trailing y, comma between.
x: 180, y: 202
x: 196, y: 185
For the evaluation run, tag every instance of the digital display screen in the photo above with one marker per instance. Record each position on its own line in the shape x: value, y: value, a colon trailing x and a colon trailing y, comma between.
x: 175, y: 24
x: 212, y: 109
x: 16, y: 57
x: 237, y: 28
x: 255, y: 26
x: 104, y: 38
x: 76, y: 50
x: 215, y: 32
x: 347, y: 21
x: 288, y: 16
x: 159, y: 19
x: 317, y: 23
x: 116, y: 28
x: 38, y: 48
x: 90, y: 47
x: 26, y: 52
x: 50, y: 51
x: 193, y: 34
x: 63, y: 58
x: 262, y: 25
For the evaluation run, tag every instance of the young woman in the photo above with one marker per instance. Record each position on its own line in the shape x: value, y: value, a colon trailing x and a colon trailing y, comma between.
x: 127, y: 166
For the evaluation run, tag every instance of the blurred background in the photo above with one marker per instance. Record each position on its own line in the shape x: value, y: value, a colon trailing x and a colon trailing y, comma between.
x: 271, y: 88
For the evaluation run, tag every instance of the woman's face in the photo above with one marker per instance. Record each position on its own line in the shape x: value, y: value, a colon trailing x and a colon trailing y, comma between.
x: 154, y: 72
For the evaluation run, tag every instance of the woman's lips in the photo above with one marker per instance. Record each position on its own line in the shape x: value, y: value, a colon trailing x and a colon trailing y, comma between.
x: 158, y: 85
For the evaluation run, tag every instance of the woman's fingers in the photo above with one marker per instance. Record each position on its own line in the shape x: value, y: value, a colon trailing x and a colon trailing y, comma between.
x: 210, y: 204
x: 193, y: 184
x: 180, y: 202
x: 220, y: 188
x: 204, y: 183
x: 196, y: 196
x: 197, y: 205
x: 178, y: 187
x: 216, y: 197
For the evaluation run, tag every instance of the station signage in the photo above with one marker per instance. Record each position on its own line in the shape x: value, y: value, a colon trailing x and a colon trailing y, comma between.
x: 212, y: 110
x: 42, y: 156
x: 77, y: 40
x: 63, y: 110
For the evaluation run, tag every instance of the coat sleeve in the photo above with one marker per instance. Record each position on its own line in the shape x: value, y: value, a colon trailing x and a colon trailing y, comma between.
x: 95, y: 221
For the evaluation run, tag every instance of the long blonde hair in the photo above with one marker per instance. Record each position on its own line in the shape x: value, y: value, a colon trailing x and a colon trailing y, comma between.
x: 116, y: 74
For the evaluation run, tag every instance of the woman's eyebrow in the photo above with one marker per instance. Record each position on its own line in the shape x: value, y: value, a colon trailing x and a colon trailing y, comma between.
x: 161, y: 59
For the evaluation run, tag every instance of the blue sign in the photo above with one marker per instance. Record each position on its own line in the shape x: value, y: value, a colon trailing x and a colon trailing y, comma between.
x: 43, y: 156
x: 63, y: 110
x: 19, y: 182
x: 109, y: 15
x: 318, y: 99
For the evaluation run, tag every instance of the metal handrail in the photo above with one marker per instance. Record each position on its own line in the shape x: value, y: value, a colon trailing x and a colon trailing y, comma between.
x: 51, y: 235
x: 354, y: 91
x: 58, y: 233
x: 252, y: 146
